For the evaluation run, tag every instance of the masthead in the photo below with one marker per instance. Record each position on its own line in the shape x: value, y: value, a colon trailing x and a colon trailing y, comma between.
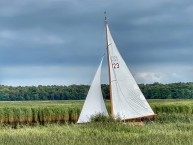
x: 105, y: 16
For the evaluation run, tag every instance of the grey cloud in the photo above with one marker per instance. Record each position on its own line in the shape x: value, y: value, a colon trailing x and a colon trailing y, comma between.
x: 72, y: 32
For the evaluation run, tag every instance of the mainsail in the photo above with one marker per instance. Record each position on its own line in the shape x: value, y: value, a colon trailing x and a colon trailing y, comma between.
x: 127, y: 100
x: 94, y: 103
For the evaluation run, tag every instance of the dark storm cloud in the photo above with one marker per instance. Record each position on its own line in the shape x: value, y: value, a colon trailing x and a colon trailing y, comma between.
x: 72, y: 32
x: 26, y: 34
x: 146, y: 27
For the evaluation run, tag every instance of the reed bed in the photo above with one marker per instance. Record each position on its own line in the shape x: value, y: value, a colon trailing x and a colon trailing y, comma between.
x: 42, y: 112
x: 30, y: 115
x: 177, y: 108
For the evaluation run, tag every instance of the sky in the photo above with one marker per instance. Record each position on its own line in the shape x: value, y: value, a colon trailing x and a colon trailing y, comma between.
x: 61, y: 42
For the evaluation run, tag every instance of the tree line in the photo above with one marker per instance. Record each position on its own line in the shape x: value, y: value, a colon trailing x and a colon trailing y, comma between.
x: 79, y: 92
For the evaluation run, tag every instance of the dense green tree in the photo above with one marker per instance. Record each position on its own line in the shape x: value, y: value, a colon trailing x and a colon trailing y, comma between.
x: 79, y: 92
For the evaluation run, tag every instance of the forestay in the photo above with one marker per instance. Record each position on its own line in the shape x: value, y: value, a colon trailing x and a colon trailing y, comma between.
x: 127, y: 99
x: 94, y: 103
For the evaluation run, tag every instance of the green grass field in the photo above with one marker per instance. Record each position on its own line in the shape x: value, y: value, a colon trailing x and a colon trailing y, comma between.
x: 47, y: 123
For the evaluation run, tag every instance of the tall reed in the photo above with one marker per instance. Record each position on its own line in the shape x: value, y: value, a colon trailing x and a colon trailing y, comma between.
x: 20, y: 113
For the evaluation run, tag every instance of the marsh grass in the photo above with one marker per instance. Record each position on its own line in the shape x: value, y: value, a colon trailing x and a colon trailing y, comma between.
x: 68, y: 111
x: 53, y: 123
x: 97, y: 133
x: 103, y: 118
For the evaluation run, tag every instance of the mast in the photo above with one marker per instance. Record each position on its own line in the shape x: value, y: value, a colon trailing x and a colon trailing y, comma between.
x: 108, y: 59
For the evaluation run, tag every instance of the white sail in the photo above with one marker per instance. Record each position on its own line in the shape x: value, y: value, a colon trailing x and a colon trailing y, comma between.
x: 94, y: 103
x: 127, y: 99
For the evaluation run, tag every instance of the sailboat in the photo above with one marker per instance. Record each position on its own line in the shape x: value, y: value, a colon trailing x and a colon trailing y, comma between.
x: 126, y: 99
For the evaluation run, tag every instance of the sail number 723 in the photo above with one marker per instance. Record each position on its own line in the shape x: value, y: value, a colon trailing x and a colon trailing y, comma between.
x: 114, y: 60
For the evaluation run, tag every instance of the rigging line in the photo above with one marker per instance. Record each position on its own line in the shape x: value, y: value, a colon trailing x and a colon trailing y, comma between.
x: 119, y: 98
x: 121, y: 112
x: 103, y: 54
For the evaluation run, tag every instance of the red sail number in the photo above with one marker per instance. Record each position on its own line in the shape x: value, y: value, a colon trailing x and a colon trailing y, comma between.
x: 115, y: 65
